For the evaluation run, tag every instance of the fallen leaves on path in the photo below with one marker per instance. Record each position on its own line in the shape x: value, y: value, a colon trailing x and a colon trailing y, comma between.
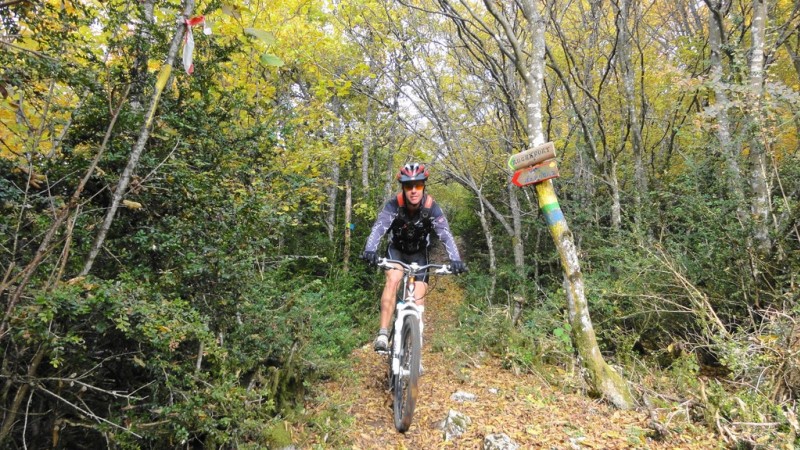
x: 530, y: 411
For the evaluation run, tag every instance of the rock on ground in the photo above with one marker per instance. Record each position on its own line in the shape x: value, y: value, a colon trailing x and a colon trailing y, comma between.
x: 499, y: 441
x: 455, y: 425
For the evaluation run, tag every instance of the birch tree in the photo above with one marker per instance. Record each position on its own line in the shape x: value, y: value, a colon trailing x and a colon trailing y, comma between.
x: 625, y: 64
x: 761, y: 201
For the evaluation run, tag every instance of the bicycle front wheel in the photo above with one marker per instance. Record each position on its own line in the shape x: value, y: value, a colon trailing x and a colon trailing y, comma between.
x: 405, y: 389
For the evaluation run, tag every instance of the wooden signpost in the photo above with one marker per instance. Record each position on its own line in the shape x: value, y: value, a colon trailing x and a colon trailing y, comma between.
x: 537, y: 166
x: 533, y: 156
x: 534, y: 165
x: 536, y: 174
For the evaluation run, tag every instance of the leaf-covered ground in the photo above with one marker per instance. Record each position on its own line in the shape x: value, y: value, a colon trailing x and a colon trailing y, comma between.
x: 523, y: 406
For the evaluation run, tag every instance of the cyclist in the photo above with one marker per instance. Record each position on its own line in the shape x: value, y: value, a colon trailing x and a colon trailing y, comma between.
x: 410, y: 217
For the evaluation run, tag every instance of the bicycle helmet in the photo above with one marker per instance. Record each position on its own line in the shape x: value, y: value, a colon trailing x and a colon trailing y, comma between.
x: 412, y: 172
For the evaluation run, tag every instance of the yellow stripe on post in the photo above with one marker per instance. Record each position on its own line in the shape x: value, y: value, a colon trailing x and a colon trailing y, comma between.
x: 546, y: 193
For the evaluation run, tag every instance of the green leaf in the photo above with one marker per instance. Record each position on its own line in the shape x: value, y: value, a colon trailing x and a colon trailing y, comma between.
x: 232, y: 10
x: 271, y: 60
x: 265, y: 36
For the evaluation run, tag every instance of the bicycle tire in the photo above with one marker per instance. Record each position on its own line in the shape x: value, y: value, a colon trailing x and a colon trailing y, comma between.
x: 405, y: 388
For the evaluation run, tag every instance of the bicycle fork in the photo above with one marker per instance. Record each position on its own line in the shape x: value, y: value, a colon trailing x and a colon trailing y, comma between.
x: 404, y: 310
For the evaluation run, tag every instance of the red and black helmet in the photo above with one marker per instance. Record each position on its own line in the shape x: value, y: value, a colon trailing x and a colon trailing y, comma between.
x: 412, y: 172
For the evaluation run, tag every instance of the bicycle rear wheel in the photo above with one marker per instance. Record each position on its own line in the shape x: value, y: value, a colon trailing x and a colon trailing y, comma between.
x: 405, y: 388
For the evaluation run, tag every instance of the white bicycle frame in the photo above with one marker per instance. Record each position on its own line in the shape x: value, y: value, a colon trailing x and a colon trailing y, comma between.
x: 408, y: 306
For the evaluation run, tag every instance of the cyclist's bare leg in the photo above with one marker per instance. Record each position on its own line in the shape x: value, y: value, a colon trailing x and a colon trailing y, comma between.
x: 393, y: 279
x: 420, y: 288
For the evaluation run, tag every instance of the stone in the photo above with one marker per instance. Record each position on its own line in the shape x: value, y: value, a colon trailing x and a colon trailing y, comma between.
x: 499, y: 441
x: 462, y: 397
x: 455, y: 425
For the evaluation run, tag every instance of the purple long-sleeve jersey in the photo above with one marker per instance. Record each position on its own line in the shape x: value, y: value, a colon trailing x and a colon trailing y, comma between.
x: 393, y: 218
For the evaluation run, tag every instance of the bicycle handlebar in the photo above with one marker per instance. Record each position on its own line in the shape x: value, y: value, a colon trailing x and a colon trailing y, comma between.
x: 441, y: 269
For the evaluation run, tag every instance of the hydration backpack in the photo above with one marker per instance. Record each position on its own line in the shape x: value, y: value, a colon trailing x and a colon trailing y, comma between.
x: 412, y: 236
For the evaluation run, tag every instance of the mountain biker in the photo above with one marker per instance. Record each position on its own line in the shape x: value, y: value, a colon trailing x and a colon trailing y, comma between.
x: 410, y: 216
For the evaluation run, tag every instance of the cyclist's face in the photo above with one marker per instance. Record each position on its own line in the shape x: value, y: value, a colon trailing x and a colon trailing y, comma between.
x: 414, y: 191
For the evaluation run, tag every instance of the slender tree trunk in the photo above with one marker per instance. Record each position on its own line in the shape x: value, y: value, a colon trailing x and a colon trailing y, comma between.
x: 333, y: 195
x: 602, y: 378
x: 391, y: 171
x: 519, y: 252
x: 11, y: 414
x: 760, y: 205
x: 144, y: 134
x: 730, y: 150
x: 794, y: 53
x: 625, y: 64
x: 348, y: 206
x: 616, y: 202
x: 365, y: 151
x: 139, y: 69
x: 487, y: 233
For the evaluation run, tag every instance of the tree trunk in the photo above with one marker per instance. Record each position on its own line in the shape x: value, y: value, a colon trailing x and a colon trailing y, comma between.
x: 365, y: 153
x: 348, y: 206
x: 602, y: 378
x: 144, y: 134
x: 487, y: 233
x: 139, y: 69
x: 519, y: 253
x: 625, y: 64
x: 730, y: 149
x: 616, y: 202
x: 333, y: 195
x: 760, y: 205
x: 11, y: 414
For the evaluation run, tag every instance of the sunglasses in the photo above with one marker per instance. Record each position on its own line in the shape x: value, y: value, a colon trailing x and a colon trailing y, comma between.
x: 414, y: 186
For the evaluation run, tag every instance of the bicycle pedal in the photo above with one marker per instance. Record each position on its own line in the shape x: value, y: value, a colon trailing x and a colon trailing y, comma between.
x: 382, y: 352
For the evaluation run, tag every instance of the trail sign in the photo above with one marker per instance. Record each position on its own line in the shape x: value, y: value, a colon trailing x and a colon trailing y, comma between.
x: 536, y: 174
x: 532, y: 156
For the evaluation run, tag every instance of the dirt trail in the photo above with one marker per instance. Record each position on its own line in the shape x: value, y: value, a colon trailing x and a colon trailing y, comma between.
x: 530, y: 411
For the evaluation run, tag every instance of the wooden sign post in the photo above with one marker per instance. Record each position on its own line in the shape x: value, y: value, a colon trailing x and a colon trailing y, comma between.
x: 532, y: 156
x: 534, y: 165
x: 536, y: 174
x: 602, y: 377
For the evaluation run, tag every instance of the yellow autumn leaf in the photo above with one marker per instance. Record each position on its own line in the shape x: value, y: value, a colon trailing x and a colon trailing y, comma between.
x: 153, y: 65
x: 74, y: 281
x: 131, y: 204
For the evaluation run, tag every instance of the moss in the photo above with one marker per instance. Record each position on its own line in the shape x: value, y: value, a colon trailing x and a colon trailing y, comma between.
x: 278, y: 435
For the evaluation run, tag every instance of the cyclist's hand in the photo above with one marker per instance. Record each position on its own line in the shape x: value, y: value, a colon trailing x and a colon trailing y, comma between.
x: 458, y: 267
x: 370, y: 258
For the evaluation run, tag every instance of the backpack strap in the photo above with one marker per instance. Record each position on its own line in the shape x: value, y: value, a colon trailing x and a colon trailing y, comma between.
x: 425, y: 212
